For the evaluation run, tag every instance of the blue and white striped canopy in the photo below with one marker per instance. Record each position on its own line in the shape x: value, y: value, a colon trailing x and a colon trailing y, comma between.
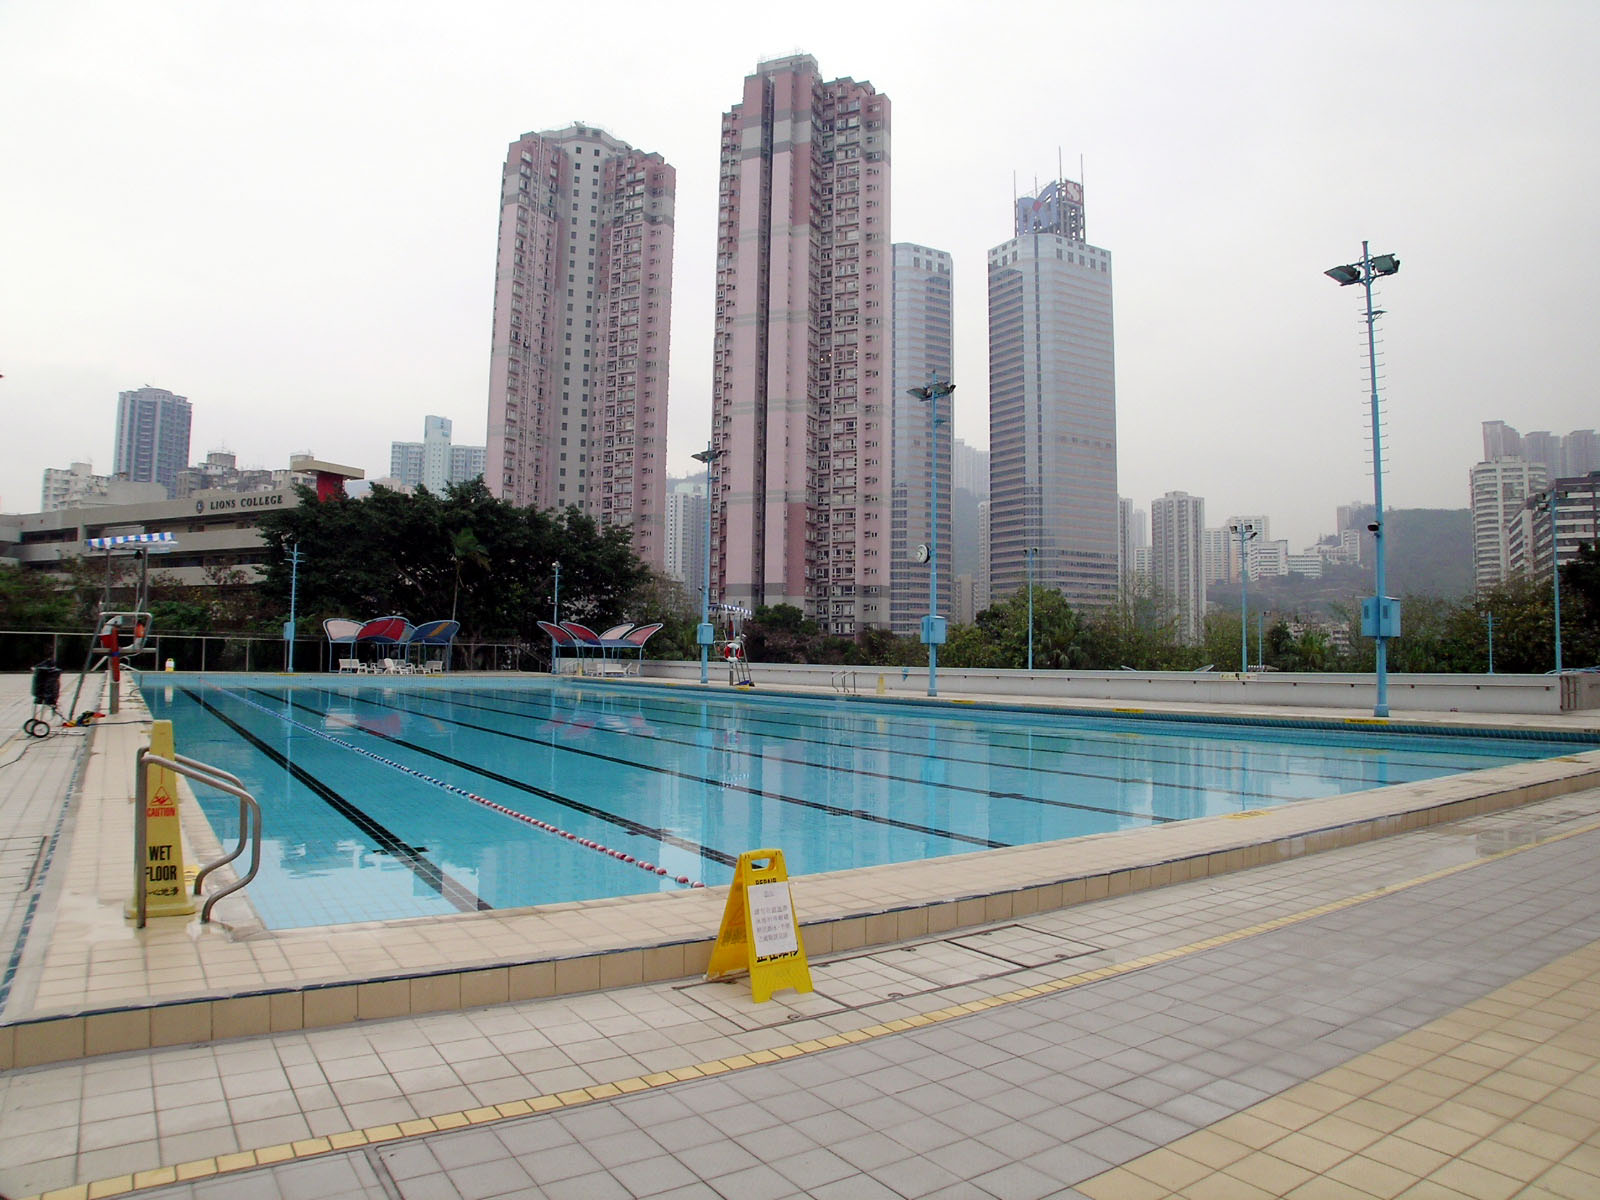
x: 132, y: 541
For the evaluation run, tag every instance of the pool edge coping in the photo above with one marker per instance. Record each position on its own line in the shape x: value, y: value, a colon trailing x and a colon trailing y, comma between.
x: 1263, y: 836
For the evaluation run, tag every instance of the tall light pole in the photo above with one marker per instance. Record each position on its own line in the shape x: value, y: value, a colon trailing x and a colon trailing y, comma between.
x: 1381, y: 618
x: 1244, y: 531
x: 294, y: 591
x: 555, y: 619
x: 705, y: 635
x: 933, y: 625
x: 1032, y: 550
x: 1547, y: 501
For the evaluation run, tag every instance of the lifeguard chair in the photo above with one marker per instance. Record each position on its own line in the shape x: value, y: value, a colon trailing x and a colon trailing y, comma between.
x: 121, y: 634
x: 729, y: 619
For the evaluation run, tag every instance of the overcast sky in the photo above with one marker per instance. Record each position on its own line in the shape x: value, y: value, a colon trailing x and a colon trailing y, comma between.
x: 287, y: 212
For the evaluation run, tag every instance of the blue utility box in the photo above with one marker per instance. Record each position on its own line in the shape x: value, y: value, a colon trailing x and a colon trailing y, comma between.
x: 1380, y: 617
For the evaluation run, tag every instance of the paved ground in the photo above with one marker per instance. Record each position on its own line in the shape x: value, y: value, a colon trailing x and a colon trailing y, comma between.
x: 1417, y: 1016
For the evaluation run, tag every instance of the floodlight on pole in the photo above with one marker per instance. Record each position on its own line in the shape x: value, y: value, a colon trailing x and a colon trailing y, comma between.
x: 933, y: 625
x: 705, y: 635
x: 1245, y: 531
x: 1380, y: 618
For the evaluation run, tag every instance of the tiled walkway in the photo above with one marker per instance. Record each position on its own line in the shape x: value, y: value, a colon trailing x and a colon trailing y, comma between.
x: 1214, y: 1014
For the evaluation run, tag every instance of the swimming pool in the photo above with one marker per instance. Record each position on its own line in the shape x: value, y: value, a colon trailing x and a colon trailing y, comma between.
x: 390, y: 799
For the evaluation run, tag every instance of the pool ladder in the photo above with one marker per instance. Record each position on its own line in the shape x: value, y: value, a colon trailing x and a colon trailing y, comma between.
x: 844, y: 682
x: 249, y: 825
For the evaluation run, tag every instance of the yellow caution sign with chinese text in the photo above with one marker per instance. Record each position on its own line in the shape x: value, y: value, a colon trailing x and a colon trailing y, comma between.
x: 162, y: 878
x: 760, y: 933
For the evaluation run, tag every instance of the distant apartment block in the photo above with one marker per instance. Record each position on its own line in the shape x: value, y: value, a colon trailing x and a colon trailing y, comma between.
x: 582, y: 321
x: 969, y: 469
x: 152, y: 437
x: 1572, y: 456
x: 1177, y: 559
x: 78, y: 486
x: 434, y: 462
x: 922, y: 342
x: 1132, y: 532
x: 1053, y: 404
x: 801, y: 363
x: 686, y: 535
x: 1500, y: 489
x: 1218, y: 554
x: 1529, y: 541
x: 220, y: 472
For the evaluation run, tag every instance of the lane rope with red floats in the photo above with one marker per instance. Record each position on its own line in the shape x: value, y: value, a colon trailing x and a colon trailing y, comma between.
x: 566, y: 834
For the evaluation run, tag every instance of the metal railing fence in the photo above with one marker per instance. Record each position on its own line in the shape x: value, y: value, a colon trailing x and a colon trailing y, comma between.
x: 21, y: 649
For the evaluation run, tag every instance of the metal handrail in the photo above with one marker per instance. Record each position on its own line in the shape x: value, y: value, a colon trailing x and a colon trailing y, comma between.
x: 249, y: 826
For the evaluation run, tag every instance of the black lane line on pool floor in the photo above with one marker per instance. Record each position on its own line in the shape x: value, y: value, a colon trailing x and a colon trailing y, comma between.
x: 1146, y: 739
x: 1282, y: 739
x: 430, y: 874
x: 627, y: 824
x: 986, y: 793
x: 832, y: 810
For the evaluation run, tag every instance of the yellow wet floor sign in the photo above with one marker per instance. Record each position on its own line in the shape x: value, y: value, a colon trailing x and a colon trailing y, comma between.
x: 760, y: 933
x: 162, y: 877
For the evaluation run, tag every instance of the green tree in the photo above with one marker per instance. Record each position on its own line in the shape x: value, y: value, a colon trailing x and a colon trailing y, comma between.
x: 1139, y: 631
x: 998, y: 638
x: 410, y: 554
x: 32, y: 600
x: 465, y: 551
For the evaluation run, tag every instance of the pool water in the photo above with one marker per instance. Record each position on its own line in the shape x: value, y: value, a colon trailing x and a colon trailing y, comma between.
x: 384, y: 800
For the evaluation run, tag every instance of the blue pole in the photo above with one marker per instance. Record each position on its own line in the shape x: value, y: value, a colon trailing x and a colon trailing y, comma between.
x: 1381, y: 708
x: 932, y: 624
x: 1555, y: 576
x: 1491, y: 642
x: 555, y: 619
x: 1244, y: 608
x: 704, y: 633
x: 294, y: 590
x: 933, y: 557
x: 1031, y: 549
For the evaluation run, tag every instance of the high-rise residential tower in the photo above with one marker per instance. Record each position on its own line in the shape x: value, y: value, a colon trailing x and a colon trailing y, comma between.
x: 434, y: 462
x: 1500, y: 491
x: 152, y: 436
x: 1177, y: 559
x: 1052, y: 404
x: 922, y: 344
x: 582, y: 322
x: 800, y: 415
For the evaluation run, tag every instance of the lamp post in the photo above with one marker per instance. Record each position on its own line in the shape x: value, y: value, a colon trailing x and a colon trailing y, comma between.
x: 1244, y: 531
x: 1490, y: 617
x: 933, y: 626
x: 1547, y: 501
x: 555, y: 619
x: 1383, y: 621
x: 1032, y: 550
x: 294, y: 591
x: 704, y: 635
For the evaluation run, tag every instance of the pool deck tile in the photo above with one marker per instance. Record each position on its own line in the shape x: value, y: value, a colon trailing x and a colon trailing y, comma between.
x: 1278, y: 1026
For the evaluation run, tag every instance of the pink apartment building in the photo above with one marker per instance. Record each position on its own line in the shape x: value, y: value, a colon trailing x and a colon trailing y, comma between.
x: 801, y: 359
x: 582, y: 324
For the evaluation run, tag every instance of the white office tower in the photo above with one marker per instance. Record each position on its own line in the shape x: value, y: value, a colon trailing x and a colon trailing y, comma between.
x: 1052, y: 405
x: 922, y: 344
x: 1177, y: 559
